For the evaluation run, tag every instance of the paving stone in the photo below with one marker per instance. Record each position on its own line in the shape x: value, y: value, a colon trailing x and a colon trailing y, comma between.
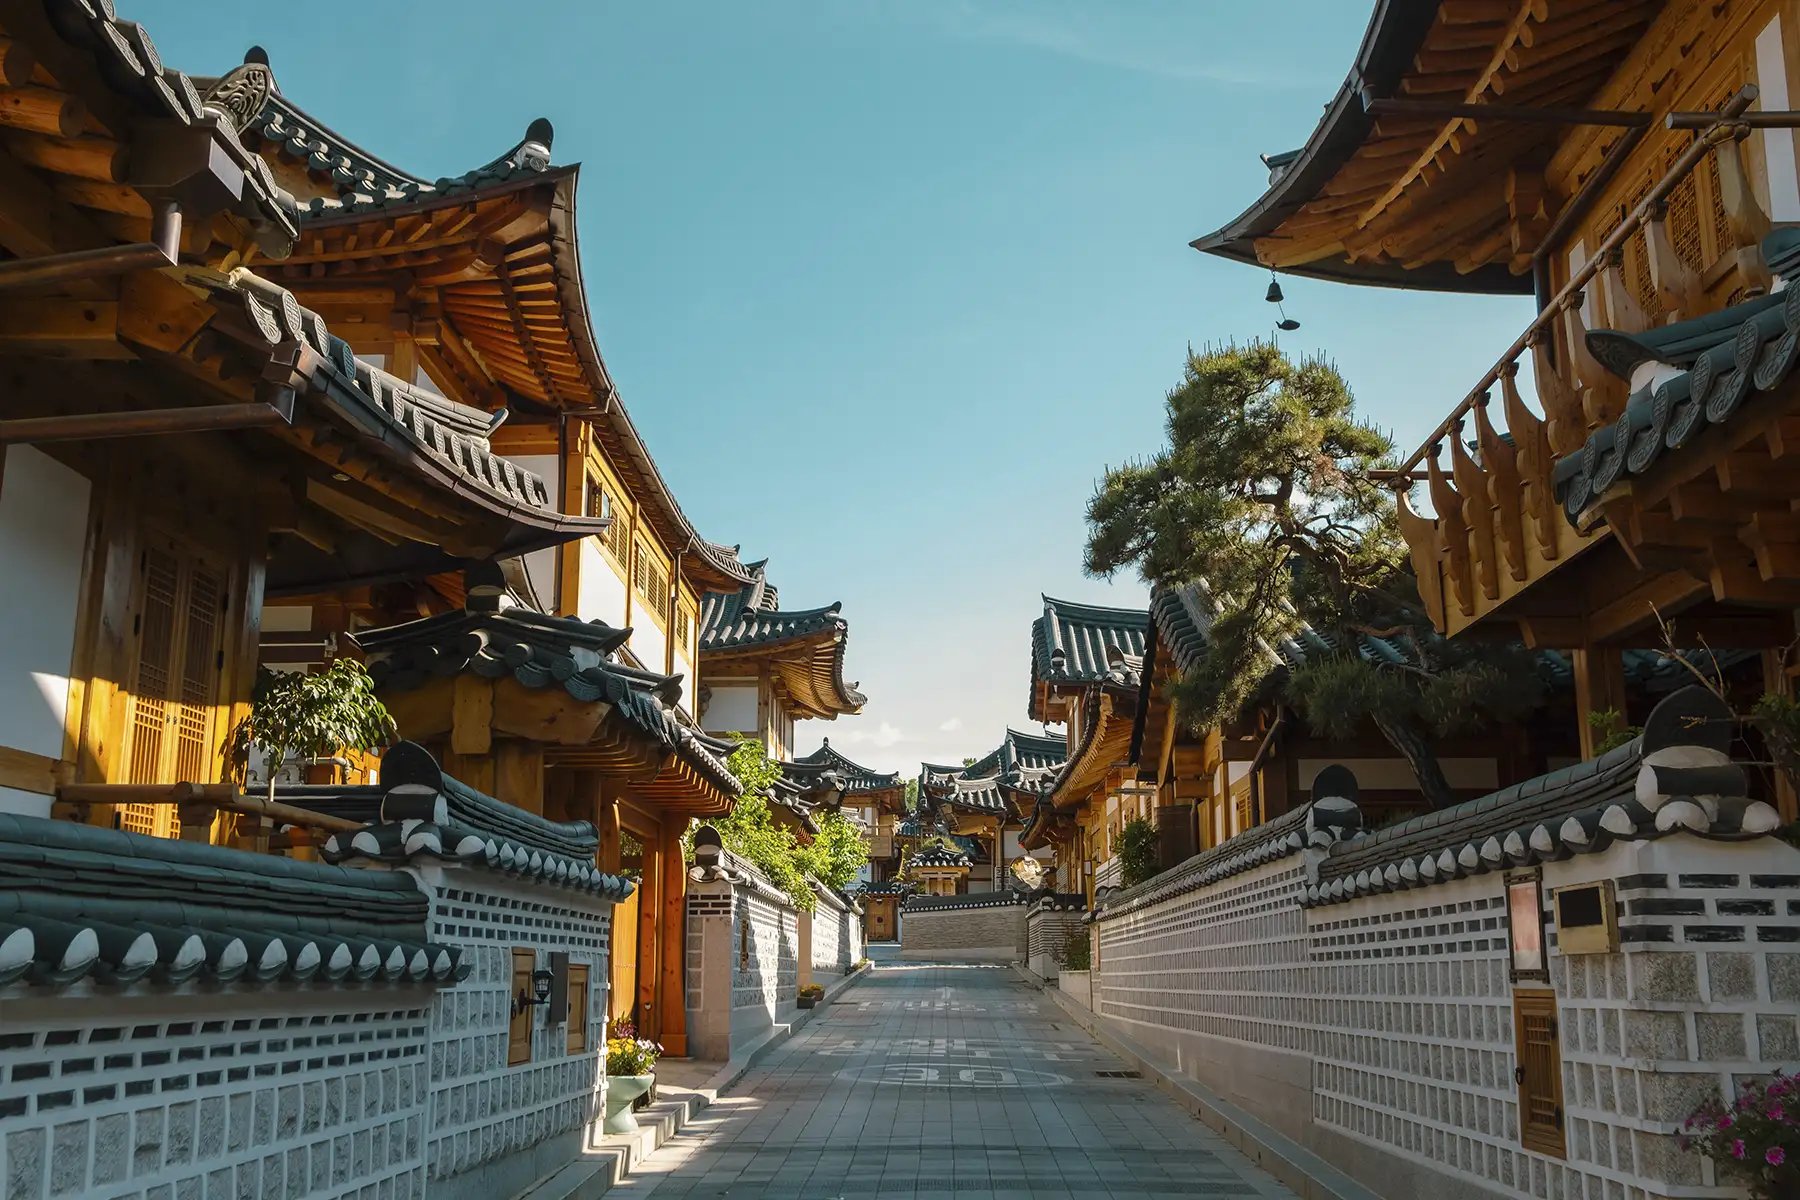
x: 957, y: 1082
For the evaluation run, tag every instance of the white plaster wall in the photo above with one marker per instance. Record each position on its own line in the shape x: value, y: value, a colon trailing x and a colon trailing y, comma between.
x: 601, y: 594
x: 1778, y: 144
x: 648, y: 641
x: 690, y: 682
x: 540, y: 565
x: 43, y: 538
x: 287, y: 618
x: 731, y: 708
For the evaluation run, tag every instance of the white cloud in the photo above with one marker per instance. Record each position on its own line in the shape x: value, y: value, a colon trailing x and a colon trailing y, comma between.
x: 951, y: 726
x: 882, y: 736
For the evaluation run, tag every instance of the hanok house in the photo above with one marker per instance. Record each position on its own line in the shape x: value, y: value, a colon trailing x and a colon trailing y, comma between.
x: 282, y: 463
x: 1085, y: 665
x: 1211, y: 784
x: 873, y: 801
x: 768, y: 667
x: 984, y: 804
x: 1629, y: 174
x: 470, y: 288
x: 541, y: 711
x: 1626, y: 170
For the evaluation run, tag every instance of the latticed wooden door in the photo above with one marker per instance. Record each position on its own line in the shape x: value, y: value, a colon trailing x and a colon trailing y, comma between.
x: 1538, y: 1071
x: 174, y: 688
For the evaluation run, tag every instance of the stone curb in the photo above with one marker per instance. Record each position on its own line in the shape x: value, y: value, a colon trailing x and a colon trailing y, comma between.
x: 618, y: 1155
x: 1299, y: 1169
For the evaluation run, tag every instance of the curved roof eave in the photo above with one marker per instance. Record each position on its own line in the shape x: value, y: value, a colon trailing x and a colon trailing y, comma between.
x: 1396, y: 31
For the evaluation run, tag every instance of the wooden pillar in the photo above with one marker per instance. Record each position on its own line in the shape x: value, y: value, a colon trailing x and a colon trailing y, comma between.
x: 1777, y: 682
x: 1599, y: 686
x: 475, y: 770
x: 519, y: 774
x: 606, y: 820
x: 649, y: 913
x: 673, y: 998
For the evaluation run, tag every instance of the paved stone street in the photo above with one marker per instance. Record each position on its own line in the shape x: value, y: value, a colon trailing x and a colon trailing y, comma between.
x: 930, y: 1081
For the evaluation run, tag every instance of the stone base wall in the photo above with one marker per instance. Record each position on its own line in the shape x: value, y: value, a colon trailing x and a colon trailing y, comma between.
x: 836, y: 935
x: 317, y: 1089
x: 743, y: 947
x: 989, y: 933
x: 1047, y: 933
x: 256, y: 1092
x: 1379, y: 1031
x: 489, y: 1117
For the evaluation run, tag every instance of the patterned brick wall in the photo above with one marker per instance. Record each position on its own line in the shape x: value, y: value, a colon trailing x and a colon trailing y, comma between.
x: 836, y: 935
x: 483, y: 1109
x: 1400, y: 1005
x: 259, y: 1093
x: 766, y: 934
x: 1225, y: 961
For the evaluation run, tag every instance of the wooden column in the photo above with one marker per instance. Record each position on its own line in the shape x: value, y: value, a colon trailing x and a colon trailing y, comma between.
x: 649, y: 913
x: 673, y: 997
x: 519, y: 774
x: 1599, y: 686
x: 606, y: 819
x: 1777, y: 682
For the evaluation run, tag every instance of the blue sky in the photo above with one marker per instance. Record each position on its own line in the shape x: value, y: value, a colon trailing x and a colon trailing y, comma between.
x: 887, y: 284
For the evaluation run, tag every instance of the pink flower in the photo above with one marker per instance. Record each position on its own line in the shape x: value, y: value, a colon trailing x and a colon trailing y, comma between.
x: 1775, y: 1156
x: 1737, y: 1148
x: 1777, y: 1113
x: 1724, y: 1122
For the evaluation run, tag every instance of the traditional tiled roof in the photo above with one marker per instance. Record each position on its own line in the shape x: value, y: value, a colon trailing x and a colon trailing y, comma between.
x: 130, y: 65
x: 855, y: 777
x: 540, y: 651
x: 940, y: 855
x: 1678, y: 776
x: 808, y: 644
x: 546, y: 357
x: 444, y: 442
x: 1000, y: 781
x: 81, y: 902
x: 1330, y: 819
x: 1716, y: 364
x: 1085, y: 644
x: 1004, y: 899
x: 886, y: 887
x: 425, y: 813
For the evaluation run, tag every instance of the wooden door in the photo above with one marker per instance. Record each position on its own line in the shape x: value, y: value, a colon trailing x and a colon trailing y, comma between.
x: 881, y: 920
x: 171, y: 732
x: 1539, y: 1071
x: 622, y: 998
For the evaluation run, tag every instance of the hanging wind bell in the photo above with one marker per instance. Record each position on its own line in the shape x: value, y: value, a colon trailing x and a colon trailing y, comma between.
x: 1287, y: 324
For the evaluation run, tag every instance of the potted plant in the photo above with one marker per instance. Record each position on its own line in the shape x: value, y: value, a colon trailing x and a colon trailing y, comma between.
x: 1754, y: 1140
x: 811, y: 994
x: 313, y: 716
x: 630, y: 1073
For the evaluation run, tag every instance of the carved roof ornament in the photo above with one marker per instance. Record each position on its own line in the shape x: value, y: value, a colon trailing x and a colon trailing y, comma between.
x: 241, y: 94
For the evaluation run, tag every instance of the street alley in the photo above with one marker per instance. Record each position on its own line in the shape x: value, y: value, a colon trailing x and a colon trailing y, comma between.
x: 931, y: 1080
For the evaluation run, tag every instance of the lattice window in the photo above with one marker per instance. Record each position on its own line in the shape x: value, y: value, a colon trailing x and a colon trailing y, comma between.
x: 651, y: 581
x: 601, y: 501
x: 1539, y: 1071
x: 174, y: 685
x: 684, y: 630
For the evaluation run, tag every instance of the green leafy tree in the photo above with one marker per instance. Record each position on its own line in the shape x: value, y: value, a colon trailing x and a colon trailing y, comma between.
x: 309, y: 716
x: 1265, y: 491
x: 837, y: 853
x: 751, y: 831
x: 1137, y: 852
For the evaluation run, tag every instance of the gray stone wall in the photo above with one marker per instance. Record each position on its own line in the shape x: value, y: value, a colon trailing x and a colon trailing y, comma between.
x: 319, y: 1090
x: 989, y: 933
x: 1047, y: 932
x: 488, y: 1118
x: 1379, y: 1031
x: 253, y: 1092
x: 743, y: 962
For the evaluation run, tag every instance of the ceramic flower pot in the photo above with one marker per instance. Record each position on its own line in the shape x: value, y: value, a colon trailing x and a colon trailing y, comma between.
x: 806, y: 1001
x: 621, y: 1090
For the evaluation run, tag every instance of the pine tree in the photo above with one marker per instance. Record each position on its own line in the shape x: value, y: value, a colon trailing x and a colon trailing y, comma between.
x: 1265, y: 491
